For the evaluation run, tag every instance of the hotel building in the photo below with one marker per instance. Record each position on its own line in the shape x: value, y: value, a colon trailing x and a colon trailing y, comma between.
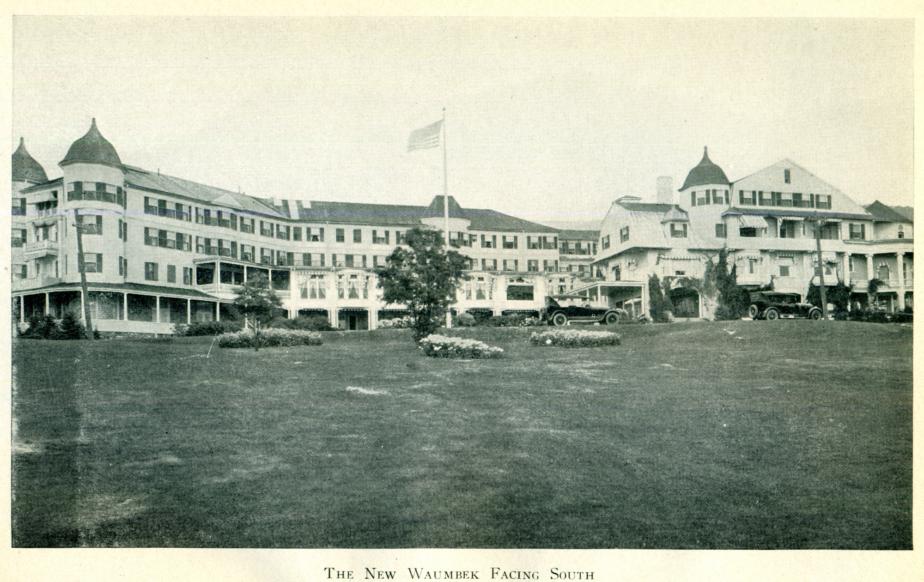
x: 160, y: 250
x: 767, y: 222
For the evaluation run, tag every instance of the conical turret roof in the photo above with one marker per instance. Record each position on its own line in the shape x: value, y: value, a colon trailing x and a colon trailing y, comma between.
x: 25, y: 168
x: 704, y: 173
x: 92, y: 148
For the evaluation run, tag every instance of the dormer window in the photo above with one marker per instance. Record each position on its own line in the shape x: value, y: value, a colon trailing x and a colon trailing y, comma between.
x: 901, y: 231
x: 678, y: 230
x: 786, y: 176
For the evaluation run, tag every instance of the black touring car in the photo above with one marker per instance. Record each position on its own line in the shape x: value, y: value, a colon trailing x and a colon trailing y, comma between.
x: 565, y: 309
x: 771, y: 305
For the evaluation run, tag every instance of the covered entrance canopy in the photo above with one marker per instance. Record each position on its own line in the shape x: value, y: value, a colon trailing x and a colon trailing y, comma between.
x: 629, y: 295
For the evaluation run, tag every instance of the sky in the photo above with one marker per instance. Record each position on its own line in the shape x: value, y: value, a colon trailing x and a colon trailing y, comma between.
x: 547, y: 119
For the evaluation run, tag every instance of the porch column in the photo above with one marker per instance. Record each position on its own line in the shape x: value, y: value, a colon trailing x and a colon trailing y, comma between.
x: 869, y: 268
x: 269, y: 280
x: 245, y: 273
x: 125, y: 306
x: 157, y: 308
x: 644, y: 298
x: 217, y: 311
x: 48, y: 304
x: 83, y: 309
x: 847, y: 270
x: 901, y: 279
x: 188, y: 311
x: 22, y: 309
x: 217, y: 276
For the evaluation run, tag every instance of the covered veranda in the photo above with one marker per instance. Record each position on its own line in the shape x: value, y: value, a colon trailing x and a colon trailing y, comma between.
x: 629, y: 295
x: 123, y: 308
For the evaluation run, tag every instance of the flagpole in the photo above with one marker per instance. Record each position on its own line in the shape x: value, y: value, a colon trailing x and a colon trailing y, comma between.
x: 446, y: 207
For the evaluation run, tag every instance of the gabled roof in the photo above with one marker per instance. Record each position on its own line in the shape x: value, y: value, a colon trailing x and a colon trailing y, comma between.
x: 906, y: 211
x: 25, y: 168
x: 884, y: 213
x: 157, y: 182
x: 706, y: 172
x: 92, y: 148
x: 590, y: 235
x: 675, y: 214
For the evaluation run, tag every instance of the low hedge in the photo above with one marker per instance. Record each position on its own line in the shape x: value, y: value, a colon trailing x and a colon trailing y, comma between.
x: 574, y: 338
x: 269, y: 338
x: 441, y: 346
x: 207, y: 328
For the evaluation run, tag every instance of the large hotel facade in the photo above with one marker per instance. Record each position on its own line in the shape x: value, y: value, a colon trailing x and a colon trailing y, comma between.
x: 160, y: 250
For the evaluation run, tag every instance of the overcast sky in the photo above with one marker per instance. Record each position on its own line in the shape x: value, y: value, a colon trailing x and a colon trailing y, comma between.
x: 547, y: 119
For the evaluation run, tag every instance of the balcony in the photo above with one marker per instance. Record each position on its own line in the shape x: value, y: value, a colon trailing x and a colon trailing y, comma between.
x: 39, y: 249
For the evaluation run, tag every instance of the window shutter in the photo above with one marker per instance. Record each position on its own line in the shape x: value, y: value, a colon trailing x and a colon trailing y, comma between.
x: 99, y: 262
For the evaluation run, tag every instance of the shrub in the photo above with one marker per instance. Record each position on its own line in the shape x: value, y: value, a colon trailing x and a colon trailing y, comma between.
x: 269, y: 337
x: 405, y: 322
x: 465, y: 320
x: 71, y: 328
x: 512, y: 320
x: 441, y: 346
x: 305, y: 323
x: 574, y: 338
x: 41, y: 327
x: 208, y: 328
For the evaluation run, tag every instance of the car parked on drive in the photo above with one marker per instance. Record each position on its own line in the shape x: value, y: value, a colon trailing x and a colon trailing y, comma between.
x: 772, y: 305
x: 565, y: 309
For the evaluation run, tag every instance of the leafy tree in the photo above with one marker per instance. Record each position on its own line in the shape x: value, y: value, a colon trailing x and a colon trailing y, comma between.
x: 424, y: 277
x: 837, y: 295
x: 872, y: 289
x: 656, y: 304
x: 255, y: 300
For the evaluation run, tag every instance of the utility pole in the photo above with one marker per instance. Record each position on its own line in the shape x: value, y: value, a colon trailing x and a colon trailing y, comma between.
x: 821, y: 268
x: 85, y: 294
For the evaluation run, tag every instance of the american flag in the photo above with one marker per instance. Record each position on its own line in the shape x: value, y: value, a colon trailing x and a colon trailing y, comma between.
x: 425, y: 138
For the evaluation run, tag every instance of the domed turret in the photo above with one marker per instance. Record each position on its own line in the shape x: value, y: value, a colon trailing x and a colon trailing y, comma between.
x: 92, y: 148
x: 705, y: 173
x: 25, y: 168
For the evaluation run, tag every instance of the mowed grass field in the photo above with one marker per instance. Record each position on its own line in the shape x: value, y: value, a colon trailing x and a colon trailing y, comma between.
x: 788, y: 434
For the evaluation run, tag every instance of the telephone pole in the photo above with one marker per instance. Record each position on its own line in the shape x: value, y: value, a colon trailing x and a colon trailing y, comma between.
x: 84, y: 293
x: 821, y: 268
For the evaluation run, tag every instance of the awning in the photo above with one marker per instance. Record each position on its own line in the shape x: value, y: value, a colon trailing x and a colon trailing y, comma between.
x: 752, y: 221
x: 792, y: 218
x: 47, y: 196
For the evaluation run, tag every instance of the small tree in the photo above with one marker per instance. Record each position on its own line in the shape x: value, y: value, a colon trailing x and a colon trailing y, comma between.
x: 255, y: 300
x: 872, y: 290
x: 70, y: 327
x: 733, y: 301
x: 656, y: 305
x: 424, y: 277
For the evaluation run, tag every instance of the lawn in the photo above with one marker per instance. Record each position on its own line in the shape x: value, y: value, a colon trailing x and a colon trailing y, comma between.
x: 788, y: 434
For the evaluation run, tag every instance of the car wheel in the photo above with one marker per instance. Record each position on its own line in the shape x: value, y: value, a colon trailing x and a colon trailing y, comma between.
x: 559, y: 319
x: 753, y: 311
x: 815, y: 314
x: 612, y: 318
x: 772, y: 314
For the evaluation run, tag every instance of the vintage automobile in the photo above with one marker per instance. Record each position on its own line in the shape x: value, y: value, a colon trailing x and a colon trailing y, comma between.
x: 772, y: 305
x: 564, y: 309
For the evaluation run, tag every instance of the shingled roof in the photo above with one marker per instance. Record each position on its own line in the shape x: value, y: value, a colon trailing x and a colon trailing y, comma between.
x: 406, y: 215
x: 92, y: 148
x: 24, y: 166
x: 157, y: 182
x: 883, y: 213
x: 706, y: 172
x: 590, y: 235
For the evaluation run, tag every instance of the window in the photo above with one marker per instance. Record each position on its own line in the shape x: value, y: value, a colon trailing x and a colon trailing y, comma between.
x: 510, y: 243
x: 679, y: 230
x: 857, y: 231
x: 90, y: 224
x: 489, y: 243
x: 171, y: 273
x: 341, y: 235
x: 488, y: 264
x: 19, y: 237
x: 314, y: 235
x: 19, y: 206
x: 617, y: 273
x: 747, y: 232
x: 786, y: 176
x: 510, y: 264
x: 605, y: 242
x: 150, y: 271
x: 266, y: 229
x: 532, y: 266
x: 282, y: 232
x: 787, y: 229
x: 519, y: 292
x: 91, y: 263
x: 721, y: 231
x: 550, y: 266
x: 122, y: 266
x: 823, y: 201
x: 296, y: 233
x: 746, y: 198
x: 21, y: 271
x: 693, y: 198
x: 623, y: 235
x: 247, y: 225
x: 901, y: 231
x: 357, y: 235
x: 123, y: 230
x: 187, y: 275
x: 380, y: 239
x: 764, y: 198
x: 400, y: 237
x: 784, y: 269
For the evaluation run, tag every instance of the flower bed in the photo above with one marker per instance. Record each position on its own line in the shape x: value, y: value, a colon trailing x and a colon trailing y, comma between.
x: 269, y: 338
x: 574, y: 338
x: 441, y: 346
x: 404, y: 322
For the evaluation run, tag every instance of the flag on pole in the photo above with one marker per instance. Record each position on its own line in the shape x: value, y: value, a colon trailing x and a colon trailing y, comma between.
x: 426, y: 137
